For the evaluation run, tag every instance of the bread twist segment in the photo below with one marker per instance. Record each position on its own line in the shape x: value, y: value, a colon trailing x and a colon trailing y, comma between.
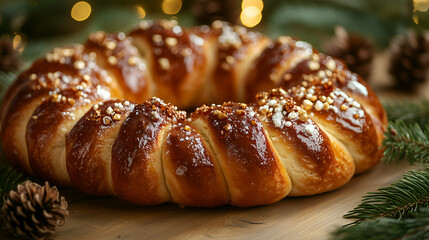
x: 317, y: 126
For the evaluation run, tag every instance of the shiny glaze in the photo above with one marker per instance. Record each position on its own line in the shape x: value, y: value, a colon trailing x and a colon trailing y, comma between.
x: 55, y: 114
x: 347, y: 81
x: 314, y: 147
x: 53, y: 74
x: 136, y: 164
x: 249, y: 161
x: 237, y: 150
x: 175, y: 55
x: 191, y: 172
x: 116, y: 54
x: 236, y: 46
x: 88, y: 168
x: 343, y: 116
x: 277, y: 58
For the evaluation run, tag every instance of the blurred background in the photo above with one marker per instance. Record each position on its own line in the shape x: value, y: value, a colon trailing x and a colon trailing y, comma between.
x: 388, y: 36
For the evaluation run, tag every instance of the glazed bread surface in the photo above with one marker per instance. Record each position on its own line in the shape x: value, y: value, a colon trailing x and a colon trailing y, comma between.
x: 277, y: 118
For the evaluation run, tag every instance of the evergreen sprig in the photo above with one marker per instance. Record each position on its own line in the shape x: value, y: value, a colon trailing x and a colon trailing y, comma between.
x: 397, y: 201
x: 414, y: 228
x: 408, y: 111
x: 9, y: 180
x: 406, y: 141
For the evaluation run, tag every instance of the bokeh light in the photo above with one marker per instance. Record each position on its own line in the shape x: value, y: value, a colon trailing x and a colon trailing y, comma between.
x: 171, y: 7
x: 17, y: 43
x: 250, y: 16
x: 140, y: 11
x: 81, y: 11
x: 251, y: 12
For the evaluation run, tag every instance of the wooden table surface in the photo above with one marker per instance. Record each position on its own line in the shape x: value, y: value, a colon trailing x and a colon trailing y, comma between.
x: 292, y: 218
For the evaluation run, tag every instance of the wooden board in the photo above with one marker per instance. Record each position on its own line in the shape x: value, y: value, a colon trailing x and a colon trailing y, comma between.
x: 292, y: 218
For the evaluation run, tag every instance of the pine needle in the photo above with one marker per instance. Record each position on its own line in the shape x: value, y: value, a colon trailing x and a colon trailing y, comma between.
x: 406, y: 141
x: 414, y: 228
x: 408, y: 111
x: 9, y: 180
x: 397, y: 201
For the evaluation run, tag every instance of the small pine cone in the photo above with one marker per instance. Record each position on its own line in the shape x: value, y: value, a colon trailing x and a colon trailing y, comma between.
x: 409, y: 60
x: 33, y: 211
x: 208, y: 11
x: 9, y: 57
x: 354, y: 49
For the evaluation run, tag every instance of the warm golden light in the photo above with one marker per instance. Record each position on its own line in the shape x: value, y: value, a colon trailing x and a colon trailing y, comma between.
x: 81, y: 11
x: 250, y: 16
x: 140, y: 11
x: 171, y: 7
x: 252, y: 3
x: 17, y: 43
x: 421, y: 5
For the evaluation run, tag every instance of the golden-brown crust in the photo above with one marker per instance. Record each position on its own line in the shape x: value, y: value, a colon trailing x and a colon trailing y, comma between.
x: 192, y: 175
x: 89, y: 146
x: 308, y: 153
x: 136, y: 158
x: 308, y: 137
x: 116, y: 54
x: 176, y: 59
x: 248, y: 160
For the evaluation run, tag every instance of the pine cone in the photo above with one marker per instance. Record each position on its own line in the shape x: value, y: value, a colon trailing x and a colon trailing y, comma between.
x: 354, y: 49
x: 34, y: 211
x: 409, y: 60
x: 208, y: 11
x: 9, y: 57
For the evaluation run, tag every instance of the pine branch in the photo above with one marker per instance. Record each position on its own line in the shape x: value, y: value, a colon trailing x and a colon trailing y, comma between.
x: 397, y: 201
x: 414, y: 228
x: 408, y: 111
x: 406, y: 141
x: 9, y: 179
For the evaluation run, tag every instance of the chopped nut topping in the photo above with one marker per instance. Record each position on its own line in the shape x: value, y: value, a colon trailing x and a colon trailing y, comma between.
x: 107, y: 120
x: 86, y: 77
x: 116, y: 117
x: 112, y: 60
x: 110, y: 45
x: 165, y: 63
x: 132, y: 60
x: 219, y: 114
x: 34, y: 117
x: 79, y: 65
x: 239, y: 112
x: 230, y: 59
x: 95, y: 107
x: 109, y: 110
x: 313, y: 65
x: 318, y: 106
x: 171, y: 42
x: 307, y: 104
x: 344, y: 107
x: 331, y: 64
x: 157, y: 38
x: 227, y: 127
x: 33, y: 76
x: 287, y: 77
x: 253, y: 122
x: 187, y: 128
